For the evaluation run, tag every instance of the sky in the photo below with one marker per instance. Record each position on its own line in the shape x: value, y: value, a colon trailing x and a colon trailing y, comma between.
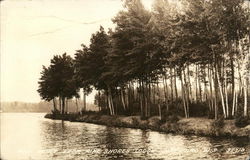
x: 32, y: 31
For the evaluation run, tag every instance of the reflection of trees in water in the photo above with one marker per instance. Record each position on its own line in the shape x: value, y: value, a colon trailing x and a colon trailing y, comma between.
x: 145, y: 138
x: 144, y: 144
x: 115, y: 139
x: 131, y: 141
x: 66, y: 139
x: 63, y: 126
x: 225, y: 148
x: 55, y: 137
x: 52, y: 130
x: 221, y: 142
x: 59, y: 137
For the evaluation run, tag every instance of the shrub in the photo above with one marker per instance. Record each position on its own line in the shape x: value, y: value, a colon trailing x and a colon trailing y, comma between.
x: 173, y: 118
x: 154, y: 123
x: 135, y: 121
x: 176, y: 108
x: 218, y: 124
x: 240, y: 120
x: 162, y: 120
x: 72, y: 116
x: 210, y: 114
x: 198, y: 109
x: 172, y: 115
x: 144, y: 118
x: 116, y: 121
x: 55, y: 112
x: 89, y: 112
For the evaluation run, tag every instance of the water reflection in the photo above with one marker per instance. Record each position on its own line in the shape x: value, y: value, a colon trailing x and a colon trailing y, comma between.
x: 41, y: 138
x: 233, y: 148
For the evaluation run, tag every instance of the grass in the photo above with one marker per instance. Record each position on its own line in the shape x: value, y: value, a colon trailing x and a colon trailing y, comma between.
x: 196, y: 126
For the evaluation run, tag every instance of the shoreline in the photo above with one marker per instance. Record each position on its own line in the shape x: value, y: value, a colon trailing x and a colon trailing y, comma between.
x: 185, y: 126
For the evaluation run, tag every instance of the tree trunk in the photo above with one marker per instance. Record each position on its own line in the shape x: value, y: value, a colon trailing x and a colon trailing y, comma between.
x: 205, y: 85
x: 245, y: 97
x: 186, y: 91
x: 76, y: 105
x: 159, y: 107
x: 221, y: 93
x: 110, y: 101
x: 216, y: 93
x: 240, y: 80
x: 236, y: 102
x: 54, y: 104
x: 123, y: 101
x: 142, y: 102
x: 149, y: 99
x: 175, y: 85
x: 99, y: 101
x: 84, y: 101
x: 128, y: 102
x: 234, y: 99
x: 189, y: 85
x: 183, y: 96
x: 226, y: 94
x: 232, y: 70
x: 199, y: 84
x: 63, y: 105
x: 211, y: 89
x: 144, y: 92
x: 196, y: 83
x: 109, y: 105
x: 171, y: 85
x: 60, y: 104
x: 67, y: 105
x: 165, y: 87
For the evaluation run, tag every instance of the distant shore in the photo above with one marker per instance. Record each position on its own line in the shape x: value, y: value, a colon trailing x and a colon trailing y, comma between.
x: 193, y: 126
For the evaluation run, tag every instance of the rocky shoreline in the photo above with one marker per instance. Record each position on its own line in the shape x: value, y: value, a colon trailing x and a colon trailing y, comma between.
x: 194, y: 126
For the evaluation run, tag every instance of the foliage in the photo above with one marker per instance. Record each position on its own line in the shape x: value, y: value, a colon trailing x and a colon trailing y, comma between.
x: 185, y: 54
x: 218, y: 124
x: 57, y: 80
x: 241, y: 121
x: 135, y: 121
x: 199, y: 109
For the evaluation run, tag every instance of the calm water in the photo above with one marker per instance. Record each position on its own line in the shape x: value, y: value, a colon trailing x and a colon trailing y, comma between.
x: 30, y: 136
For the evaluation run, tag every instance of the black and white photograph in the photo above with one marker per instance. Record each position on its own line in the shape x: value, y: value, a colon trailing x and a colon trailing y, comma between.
x: 125, y: 80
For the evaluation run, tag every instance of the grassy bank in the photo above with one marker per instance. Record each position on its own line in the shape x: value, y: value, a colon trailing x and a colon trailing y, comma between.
x: 195, y: 126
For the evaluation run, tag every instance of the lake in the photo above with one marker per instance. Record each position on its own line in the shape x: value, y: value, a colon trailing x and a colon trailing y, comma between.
x: 30, y: 136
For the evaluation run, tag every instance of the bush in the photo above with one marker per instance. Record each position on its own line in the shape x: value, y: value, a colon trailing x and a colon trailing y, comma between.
x: 173, y: 118
x: 240, y: 120
x: 83, y: 112
x: 218, y: 124
x: 198, y: 109
x: 73, y: 116
x: 210, y: 114
x: 176, y: 108
x: 55, y: 112
x: 135, y: 121
x: 162, y: 120
x: 171, y: 115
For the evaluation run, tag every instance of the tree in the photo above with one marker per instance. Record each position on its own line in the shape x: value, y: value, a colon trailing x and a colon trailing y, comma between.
x: 46, y: 89
x: 136, y: 50
x: 57, y: 80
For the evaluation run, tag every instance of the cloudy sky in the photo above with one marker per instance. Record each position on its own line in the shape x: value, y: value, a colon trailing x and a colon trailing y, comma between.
x: 32, y: 31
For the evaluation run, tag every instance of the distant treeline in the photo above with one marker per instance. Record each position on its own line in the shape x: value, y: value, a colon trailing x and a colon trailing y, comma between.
x: 25, y: 107
x: 39, y: 107
x: 190, y: 57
